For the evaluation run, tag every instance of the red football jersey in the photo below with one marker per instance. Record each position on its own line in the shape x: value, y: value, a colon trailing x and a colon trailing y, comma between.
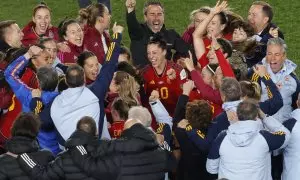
x: 31, y: 38
x: 169, y: 90
x: 93, y: 42
x: 116, y: 129
x: 70, y: 57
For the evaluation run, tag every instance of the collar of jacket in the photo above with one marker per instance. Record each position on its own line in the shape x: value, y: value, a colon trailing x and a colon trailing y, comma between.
x: 267, y: 29
x: 21, y: 144
x: 4, y: 46
x: 80, y: 137
x: 138, y: 131
x: 75, y: 48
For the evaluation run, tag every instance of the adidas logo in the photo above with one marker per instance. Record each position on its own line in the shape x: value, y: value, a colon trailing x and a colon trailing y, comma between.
x: 96, y: 44
x: 152, y: 82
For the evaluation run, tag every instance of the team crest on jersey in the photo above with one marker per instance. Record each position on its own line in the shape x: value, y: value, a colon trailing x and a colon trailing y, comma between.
x: 152, y: 82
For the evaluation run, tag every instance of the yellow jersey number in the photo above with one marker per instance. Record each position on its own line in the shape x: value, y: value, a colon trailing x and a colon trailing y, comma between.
x: 164, y: 93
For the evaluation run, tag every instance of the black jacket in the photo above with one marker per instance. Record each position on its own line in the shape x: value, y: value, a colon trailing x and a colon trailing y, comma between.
x: 192, y: 164
x: 9, y: 167
x: 65, y: 166
x: 151, y: 163
x: 140, y: 35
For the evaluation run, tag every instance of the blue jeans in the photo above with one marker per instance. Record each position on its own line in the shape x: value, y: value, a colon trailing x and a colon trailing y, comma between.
x: 85, y: 3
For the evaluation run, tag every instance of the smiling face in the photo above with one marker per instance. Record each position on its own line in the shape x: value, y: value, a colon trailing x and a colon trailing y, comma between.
x: 42, y: 20
x: 215, y: 27
x: 91, y: 68
x: 239, y: 35
x: 156, y: 56
x: 74, y: 34
x: 275, y: 57
x: 51, y: 48
x: 154, y: 17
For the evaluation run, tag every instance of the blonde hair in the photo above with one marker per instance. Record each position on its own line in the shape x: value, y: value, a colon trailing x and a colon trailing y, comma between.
x: 127, y: 87
x: 251, y: 90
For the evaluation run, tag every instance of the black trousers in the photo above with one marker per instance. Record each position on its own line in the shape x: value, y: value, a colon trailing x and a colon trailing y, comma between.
x: 277, y: 166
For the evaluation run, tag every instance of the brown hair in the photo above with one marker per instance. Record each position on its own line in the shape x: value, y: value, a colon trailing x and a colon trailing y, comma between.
x: 247, y: 110
x: 91, y: 13
x: 266, y: 9
x: 26, y: 124
x: 122, y: 107
x: 204, y: 9
x: 199, y: 114
x: 88, y: 125
x: 41, y: 5
x: 240, y: 24
x: 231, y: 89
x: 250, y: 90
x: 127, y: 86
x: 152, y: 3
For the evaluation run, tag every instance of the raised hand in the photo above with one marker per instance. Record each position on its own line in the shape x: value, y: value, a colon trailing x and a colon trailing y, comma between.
x: 183, y: 123
x: 219, y: 7
x: 189, y: 64
x: 260, y: 69
x: 34, y: 50
x: 154, y: 96
x: 130, y: 5
x: 117, y: 28
x: 188, y: 86
x: 36, y: 93
x: 171, y: 73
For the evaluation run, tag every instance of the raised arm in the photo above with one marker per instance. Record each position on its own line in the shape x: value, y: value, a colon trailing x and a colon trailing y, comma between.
x: 12, y: 75
x: 201, y: 29
x: 135, y: 29
x: 207, y: 92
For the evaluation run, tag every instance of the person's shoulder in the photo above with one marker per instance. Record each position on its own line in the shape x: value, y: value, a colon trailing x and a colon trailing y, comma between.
x: 147, y: 69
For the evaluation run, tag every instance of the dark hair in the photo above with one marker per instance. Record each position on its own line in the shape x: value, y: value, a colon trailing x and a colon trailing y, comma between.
x: 240, y: 24
x: 44, y: 40
x: 250, y: 89
x: 13, y: 53
x: 122, y: 107
x: 84, y: 56
x: 3, y: 27
x: 126, y: 67
x: 159, y: 41
x: 266, y: 9
x: 199, y: 114
x: 226, y: 46
x: 125, y: 50
x: 26, y: 124
x: 231, y: 16
x: 231, y: 89
x: 41, y: 5
x: 92, y: 12
x: 152, y: 3
x: 88, y: 125
x: 247, y: 110
x: 63, y: 26
x: 48, y: 78
x: 75, y: 76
